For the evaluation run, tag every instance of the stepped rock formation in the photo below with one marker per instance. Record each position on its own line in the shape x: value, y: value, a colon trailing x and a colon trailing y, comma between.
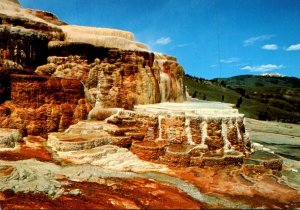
x: 55, y: 75
x: 52, y: 74
x: 174, y: 134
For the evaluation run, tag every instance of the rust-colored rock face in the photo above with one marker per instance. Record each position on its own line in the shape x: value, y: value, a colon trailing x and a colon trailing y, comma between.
x: 43, y: 104
x: 47, y: 16
x: 58, y: 80
x: 117, y: 78
x: 32, y: 91
x: 24, y: 40
x: 26, y: 47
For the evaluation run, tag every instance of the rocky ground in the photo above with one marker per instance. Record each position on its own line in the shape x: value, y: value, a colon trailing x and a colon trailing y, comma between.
x: 32, y: 177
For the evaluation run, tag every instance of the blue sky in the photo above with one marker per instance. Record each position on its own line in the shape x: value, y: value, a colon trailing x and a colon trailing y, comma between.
x: 210, y: 38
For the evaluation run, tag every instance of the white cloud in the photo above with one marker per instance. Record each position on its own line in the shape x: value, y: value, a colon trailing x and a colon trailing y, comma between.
x: 270, y: 47
x: 254, y: 39
x: 213, y: 66
x: 184, y: 45
x: 163, y: 41
x: 294, y: 47
x: 262, y: 68
x: 230, y: 60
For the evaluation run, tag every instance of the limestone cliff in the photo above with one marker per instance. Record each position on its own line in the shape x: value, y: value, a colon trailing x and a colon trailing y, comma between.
x: 78, y: 68
x: 104, y: 37
x: 42, y: 104
x: 119, y: 78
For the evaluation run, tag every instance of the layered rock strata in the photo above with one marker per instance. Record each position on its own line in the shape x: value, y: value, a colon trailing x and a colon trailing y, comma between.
x: 42, y: 104
x: 104, y: 37
x: 114, y: 70
x: 25, y: 33
x: 187, y: 134
x: 121, y: 78
x: 260, y: 162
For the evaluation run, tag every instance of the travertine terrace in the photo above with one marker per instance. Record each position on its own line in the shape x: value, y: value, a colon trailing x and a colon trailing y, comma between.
x: 177, y: 134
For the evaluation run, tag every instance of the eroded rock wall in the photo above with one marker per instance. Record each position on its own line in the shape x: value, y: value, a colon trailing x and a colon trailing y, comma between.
x: 51, y: 73
x: 42, y: 104
x: 118, y: 78
x: 33, y: 91
x: 24, y: 41
x: 23, y: 46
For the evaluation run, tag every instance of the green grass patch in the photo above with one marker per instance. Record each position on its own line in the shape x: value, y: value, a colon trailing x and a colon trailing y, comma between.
x: 277, y: 99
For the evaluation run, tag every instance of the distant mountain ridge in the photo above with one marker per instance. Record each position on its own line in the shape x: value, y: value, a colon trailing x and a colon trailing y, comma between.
x: 267, y: 80
x: 256, y: 96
